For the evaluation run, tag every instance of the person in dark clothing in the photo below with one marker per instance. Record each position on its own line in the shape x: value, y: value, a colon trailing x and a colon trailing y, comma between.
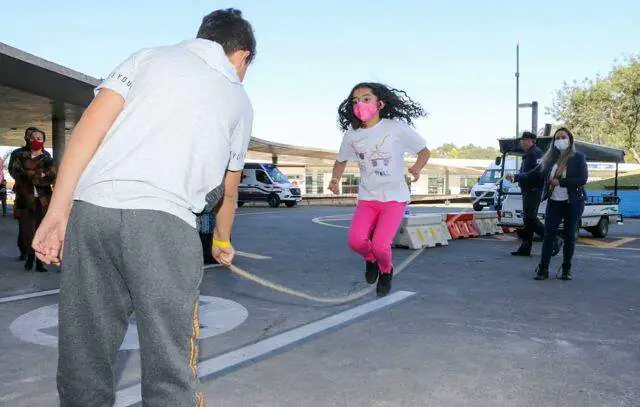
x: 531, y: 194
x: 564, y: 173
x: 16, y: 201
x: 206, y: 224
x: 34, y: 174
x: 17, y: 204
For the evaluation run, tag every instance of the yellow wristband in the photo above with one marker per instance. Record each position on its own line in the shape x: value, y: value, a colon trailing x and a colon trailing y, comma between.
x: 221, y: 243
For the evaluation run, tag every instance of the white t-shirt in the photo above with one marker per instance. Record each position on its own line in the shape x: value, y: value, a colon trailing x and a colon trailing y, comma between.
x: 186, y: 120
x: 559, y: 193
x: 380, y: 152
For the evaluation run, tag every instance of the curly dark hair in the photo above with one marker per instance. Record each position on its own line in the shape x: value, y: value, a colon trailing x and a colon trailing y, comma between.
x: 397, y: 105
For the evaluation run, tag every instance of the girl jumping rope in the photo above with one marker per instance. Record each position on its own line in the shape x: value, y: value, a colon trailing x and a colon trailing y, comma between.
x: 376, y: 121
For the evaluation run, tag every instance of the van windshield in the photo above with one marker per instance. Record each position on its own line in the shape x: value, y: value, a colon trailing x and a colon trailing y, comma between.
x: 276, y: 175
x: 490, y: 177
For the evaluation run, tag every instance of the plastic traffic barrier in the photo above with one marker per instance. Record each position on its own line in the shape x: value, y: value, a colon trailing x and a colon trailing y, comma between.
x: 461, y: 225
x: 487, y: 223
x: 422, y: 230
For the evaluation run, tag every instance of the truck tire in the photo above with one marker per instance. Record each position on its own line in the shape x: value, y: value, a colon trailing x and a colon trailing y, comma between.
x: 273, y: 200
x: 290, y: 204
x: 601, y: 229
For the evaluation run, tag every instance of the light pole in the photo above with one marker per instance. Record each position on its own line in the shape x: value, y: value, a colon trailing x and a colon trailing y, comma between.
x: 534, y: 114
x: 517, y: 90
x: 533, y: 105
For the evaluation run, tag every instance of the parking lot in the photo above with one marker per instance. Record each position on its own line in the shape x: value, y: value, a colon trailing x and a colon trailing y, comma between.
x: 464, y: 325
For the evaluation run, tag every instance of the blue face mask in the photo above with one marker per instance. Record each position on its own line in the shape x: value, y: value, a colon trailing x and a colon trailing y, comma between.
x: 561, y: 144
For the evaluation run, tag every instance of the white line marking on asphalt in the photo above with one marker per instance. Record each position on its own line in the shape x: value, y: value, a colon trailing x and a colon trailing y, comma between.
x: 132, y: 395
x: 57, y: 291
x: 27, y: 296
x: 275, y: 212
x: 598, y: 256
x: 503, y: 240
x: 12, y: 396
x: 320, y: 220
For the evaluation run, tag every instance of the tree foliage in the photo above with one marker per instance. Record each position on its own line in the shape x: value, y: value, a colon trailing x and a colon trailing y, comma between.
x: 604, y: 110
x: 470, y: 151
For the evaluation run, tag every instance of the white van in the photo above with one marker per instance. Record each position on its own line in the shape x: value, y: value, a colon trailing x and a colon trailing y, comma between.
x: 265, y: 182
x: 484, y: 192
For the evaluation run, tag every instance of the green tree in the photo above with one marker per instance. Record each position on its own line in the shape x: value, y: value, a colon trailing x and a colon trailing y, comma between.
x: 604, y: 110
x: 470, y: 151
x: 625, y: 81
x: 447, y: 150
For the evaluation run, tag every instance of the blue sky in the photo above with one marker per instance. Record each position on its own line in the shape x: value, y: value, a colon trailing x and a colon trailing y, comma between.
x: 457, y: 58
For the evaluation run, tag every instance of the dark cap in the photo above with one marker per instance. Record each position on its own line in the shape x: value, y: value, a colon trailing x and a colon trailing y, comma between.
x: 528, y: 135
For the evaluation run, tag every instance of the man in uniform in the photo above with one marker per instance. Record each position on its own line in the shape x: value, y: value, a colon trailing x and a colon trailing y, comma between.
x: 531, y: 194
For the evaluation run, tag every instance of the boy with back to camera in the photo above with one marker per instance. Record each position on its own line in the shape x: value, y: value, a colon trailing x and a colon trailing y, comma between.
x: 129, y: 223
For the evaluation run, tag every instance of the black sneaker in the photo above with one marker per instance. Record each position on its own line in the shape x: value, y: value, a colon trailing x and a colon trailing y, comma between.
x: 371, y: 272
x: 384, y: 284
x: 28, y: 265
x: 522, y: 252
x: 566, y: 272
x: 542, y: 272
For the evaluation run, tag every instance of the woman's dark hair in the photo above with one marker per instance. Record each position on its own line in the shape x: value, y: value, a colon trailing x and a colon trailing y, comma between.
x: 397, y: 105
x: 230, y: 30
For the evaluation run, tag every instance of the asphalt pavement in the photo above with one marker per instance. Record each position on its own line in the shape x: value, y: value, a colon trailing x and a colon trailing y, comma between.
x: 465, y: 324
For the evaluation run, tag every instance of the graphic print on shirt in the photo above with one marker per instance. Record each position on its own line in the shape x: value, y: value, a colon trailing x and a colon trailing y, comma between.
x: 375, y: 162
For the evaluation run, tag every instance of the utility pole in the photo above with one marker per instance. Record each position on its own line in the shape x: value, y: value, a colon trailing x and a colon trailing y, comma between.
x: 534, y: 115
x: 533, y: 105
x: 517, y: 90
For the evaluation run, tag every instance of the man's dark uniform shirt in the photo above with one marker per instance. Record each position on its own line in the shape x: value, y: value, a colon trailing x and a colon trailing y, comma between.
x: 529, y: 161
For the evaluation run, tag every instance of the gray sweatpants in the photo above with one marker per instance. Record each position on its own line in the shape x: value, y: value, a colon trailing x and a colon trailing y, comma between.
x: 116, y: 262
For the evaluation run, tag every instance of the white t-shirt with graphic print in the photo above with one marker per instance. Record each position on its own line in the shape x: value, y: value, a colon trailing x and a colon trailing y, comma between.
x: 186, y: 120
x: 380, y: 150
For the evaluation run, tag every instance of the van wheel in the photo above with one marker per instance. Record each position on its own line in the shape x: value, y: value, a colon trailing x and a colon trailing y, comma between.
x: 240, y: 204
x: 290, y: 204
x: 274, y: 200
x: 601, y: 229
x: 477, y: 207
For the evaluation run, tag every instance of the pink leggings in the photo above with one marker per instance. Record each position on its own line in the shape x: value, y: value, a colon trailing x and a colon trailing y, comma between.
x: 373, y: 228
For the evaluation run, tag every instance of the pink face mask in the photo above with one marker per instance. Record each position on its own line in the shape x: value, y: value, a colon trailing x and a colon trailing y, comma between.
x: 365, y: 111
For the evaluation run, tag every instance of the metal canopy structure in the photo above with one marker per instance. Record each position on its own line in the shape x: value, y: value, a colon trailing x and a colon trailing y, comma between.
x: 32, y: 74
x: 37, y: 92
x: 594, y: 152
x: 277, y: 149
